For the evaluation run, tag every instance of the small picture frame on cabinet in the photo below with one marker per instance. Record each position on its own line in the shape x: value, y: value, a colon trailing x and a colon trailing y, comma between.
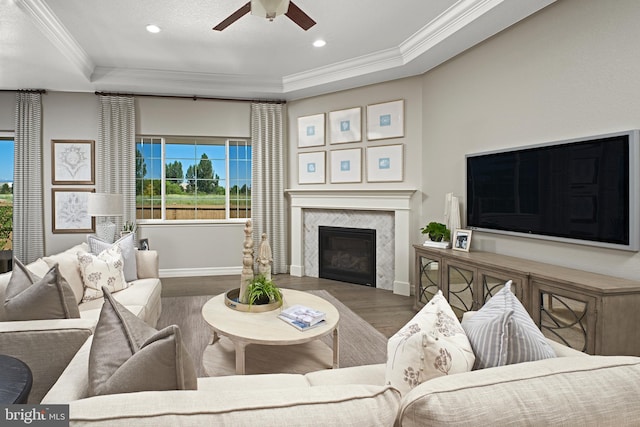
x: 461, y: 240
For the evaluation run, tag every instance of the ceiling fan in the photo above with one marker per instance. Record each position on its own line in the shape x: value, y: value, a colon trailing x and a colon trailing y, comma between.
x: 269, y: 9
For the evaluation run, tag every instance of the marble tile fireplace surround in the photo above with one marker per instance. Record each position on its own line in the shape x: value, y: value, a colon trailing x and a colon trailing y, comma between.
x: 386, y: 211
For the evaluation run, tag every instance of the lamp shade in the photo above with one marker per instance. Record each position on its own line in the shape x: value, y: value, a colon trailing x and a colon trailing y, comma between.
x: 269, y: 8
x: 104, y: 204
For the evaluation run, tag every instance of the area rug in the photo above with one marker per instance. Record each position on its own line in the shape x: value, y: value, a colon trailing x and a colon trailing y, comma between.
x: 360, y: 343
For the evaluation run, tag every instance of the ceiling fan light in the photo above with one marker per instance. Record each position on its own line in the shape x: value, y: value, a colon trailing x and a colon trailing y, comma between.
x: 269, y: 8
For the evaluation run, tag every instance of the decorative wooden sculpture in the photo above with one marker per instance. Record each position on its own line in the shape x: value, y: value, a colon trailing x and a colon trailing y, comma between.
x: 264, y: 257
x: 247, y: 261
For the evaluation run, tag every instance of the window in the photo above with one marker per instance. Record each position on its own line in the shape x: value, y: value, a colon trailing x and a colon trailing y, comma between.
x: 183, y: 178
x: 6, y: 192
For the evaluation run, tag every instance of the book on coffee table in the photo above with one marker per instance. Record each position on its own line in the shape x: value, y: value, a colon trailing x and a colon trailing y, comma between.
x: 300, y: 325
x: 303, y: 314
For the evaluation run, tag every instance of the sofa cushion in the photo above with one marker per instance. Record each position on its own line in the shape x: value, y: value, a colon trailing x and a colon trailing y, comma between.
x: 430, y: 345
x: 353, y: 405
x: 503, y: 333
x: 576, y: 391
x: 29, y: 297
x: 105, y: 269
x: 70, y: 270
x: 128, y: 247
x: 127, y: 355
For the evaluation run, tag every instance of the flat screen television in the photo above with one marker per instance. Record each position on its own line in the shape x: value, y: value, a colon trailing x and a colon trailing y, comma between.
x: 582, y: 191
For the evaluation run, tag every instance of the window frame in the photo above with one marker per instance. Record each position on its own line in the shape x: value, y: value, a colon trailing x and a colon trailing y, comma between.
x: 163, y: 220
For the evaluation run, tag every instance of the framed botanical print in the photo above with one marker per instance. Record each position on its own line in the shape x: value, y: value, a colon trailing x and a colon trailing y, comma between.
x: 311, y: 131
x: 69, y: 211
x: 385, y: 163
x: 72, y: 162
x: 345, y: 126
x: 311, y: 168
x: 385, y: 120
x: 346, y: 165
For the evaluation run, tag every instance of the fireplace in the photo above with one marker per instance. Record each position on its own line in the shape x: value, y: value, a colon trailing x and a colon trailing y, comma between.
x: 347, y: 254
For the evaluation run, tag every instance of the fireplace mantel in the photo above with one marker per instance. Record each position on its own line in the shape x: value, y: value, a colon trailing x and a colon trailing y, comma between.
x: 397, y: 201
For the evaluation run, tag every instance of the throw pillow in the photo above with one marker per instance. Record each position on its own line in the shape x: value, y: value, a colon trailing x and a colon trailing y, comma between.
x: 102, y: 270
x: 70, y: 270
x: 127, y: 355
x: 432, y: 344
x: 503, y: 333
x: 29, y: 297
x: 128, y: 247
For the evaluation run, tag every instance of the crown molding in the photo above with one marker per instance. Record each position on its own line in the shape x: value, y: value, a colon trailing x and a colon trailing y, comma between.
x: 461, y: 26
x: 47, y: 22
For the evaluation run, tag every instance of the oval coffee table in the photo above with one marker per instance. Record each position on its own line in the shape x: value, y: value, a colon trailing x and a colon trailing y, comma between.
x: 244, y: 328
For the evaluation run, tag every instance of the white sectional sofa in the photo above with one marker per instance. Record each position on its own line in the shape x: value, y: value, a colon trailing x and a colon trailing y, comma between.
x: 47, y: 346
x: 571, y: 390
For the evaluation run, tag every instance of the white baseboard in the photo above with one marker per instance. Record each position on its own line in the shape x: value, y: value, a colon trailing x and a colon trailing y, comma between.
x: 296, y: 270
x: 402, y: 288
x: 195, y: 272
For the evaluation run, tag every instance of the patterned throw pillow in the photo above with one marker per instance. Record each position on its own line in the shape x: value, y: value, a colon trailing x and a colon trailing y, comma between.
x: 127, y: 355
x: 432, y: 344
x: 503, y: 333
x: 102, y: 270
x: 127, y: 245
x: 29, y: 297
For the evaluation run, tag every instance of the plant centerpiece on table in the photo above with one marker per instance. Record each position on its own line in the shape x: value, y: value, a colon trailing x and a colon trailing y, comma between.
x: 437, y: 232
x: 261, y: 290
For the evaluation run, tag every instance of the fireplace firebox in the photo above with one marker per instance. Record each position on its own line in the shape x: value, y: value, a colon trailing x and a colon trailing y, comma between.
x: 347, y: 254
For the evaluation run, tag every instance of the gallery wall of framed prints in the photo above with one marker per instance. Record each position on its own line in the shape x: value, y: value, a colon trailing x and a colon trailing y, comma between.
x: 72, y: 164
x: 343, y: 160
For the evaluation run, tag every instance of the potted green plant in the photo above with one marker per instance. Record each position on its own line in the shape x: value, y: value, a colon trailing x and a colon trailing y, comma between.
x: 261, y: 290
x: 437, y: 232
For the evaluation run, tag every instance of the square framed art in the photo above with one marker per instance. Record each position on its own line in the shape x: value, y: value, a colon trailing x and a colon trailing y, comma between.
x: 345, y: 126
x: 311, y: 168
x: 72, y: 162
x: 385, y: 120
x: 69, y: 211
x: 346, y: 165
x: 385, y: 163
x: 311, y: 131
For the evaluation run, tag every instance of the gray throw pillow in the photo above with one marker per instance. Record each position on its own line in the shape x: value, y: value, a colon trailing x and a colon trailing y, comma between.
x: 127, y: 355
x: 128, y: 247
x: 29, y: 297
x: 503, y: 333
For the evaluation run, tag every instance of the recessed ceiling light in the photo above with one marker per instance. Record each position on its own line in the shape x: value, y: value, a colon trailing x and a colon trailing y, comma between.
x: 319, y: 43
x: 153, y: 28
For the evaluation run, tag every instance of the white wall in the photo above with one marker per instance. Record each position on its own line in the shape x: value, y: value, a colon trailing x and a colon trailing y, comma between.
x: 571, y: 70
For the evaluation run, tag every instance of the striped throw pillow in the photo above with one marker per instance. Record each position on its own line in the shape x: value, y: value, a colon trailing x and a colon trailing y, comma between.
x: 503, y: 333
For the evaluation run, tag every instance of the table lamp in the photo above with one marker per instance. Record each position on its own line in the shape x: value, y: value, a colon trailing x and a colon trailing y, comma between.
x: 105, y: 205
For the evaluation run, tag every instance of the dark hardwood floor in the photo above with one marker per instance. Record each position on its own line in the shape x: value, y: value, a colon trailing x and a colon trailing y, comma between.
x: 383, y: 309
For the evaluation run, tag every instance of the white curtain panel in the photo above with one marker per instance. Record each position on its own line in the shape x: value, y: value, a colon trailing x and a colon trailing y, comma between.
x: 268, y: 207
x: 115, y: 153
x: 28, y: 225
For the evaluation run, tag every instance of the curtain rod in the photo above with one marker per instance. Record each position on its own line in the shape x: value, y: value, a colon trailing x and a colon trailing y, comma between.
x: 25, y: 90
x: 192, y: 97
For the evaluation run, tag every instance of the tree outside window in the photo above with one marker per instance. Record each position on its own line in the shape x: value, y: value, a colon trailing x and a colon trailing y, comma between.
x: 202, y: 178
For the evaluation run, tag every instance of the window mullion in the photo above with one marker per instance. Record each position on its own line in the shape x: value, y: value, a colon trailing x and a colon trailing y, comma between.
x: 163, y: 203
x: 227, y: 199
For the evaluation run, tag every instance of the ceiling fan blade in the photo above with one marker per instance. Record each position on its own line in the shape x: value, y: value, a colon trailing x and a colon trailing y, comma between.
x: 299, y: 17
x: 233, y: 17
